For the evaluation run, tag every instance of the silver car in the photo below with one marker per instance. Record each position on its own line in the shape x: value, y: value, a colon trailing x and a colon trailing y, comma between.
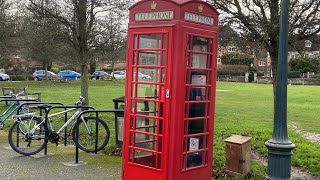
x: 119, y: 74
x: 4, y: 77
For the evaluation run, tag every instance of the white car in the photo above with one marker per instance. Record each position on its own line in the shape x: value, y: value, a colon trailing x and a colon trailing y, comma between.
x: 143, y: 76
x: 4, y: 77
x: 119, y: 74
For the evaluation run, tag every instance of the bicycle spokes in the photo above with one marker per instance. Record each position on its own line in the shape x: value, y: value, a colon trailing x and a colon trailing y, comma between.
x: 27, y: 136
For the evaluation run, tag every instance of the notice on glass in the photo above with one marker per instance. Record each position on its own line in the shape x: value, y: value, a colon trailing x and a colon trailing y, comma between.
x: 194, y: 144
x: 199, y: 79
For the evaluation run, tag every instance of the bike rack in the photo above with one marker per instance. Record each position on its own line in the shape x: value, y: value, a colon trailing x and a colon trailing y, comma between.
x: 65, y: 130
x: 97, y: 117
x: 10, y: 98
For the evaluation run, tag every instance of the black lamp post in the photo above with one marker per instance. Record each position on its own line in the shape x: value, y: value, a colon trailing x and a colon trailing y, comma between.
x: 280, y: 147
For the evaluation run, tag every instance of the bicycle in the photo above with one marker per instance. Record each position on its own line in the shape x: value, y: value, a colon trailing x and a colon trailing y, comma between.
x: 30, y: 133
x: 14, y: 107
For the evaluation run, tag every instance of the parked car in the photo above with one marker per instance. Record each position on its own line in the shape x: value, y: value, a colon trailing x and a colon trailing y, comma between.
x: 143, y: 76
x: 69, y: 75
x: 118, y: 74
x: 100, y: 75
x: 40, y: 75
x: 4, y: 77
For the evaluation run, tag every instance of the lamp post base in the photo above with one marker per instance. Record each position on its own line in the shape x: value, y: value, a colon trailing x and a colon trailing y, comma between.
x: 279, y: 159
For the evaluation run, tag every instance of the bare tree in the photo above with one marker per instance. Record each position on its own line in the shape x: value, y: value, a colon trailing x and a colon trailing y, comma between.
x: 111, y: 43
x: 79, y: 20
x: 6, y: 27
x: 258, y: 21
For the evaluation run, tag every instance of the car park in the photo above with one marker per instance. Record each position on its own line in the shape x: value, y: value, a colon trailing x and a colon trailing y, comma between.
x: 4, y: 77
x: 119, y: 74
x: 70, y: 75
x: 40, y: 75
x: 100, y: 75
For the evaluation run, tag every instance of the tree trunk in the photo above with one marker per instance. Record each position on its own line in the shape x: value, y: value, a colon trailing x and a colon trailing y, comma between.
x: 84, y: 84
x: 81, y: 10
x: 93, y: 65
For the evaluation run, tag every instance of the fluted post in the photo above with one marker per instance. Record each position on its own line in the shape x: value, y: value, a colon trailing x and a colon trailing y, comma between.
x: 280, y: 147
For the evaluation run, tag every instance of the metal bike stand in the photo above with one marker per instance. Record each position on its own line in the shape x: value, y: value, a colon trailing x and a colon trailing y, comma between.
x: 61, y: 107
x: 11, y: 99
x: 97, y: 118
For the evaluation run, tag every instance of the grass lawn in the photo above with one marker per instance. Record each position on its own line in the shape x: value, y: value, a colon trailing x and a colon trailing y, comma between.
x: 243, y: 109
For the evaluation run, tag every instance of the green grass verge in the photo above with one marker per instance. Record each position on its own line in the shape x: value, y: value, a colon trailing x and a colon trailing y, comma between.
x: 244, y: 109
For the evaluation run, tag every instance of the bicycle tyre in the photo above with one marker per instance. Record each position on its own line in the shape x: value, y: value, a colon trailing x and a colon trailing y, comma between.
x: 21, y: 142
x: 86, y: 142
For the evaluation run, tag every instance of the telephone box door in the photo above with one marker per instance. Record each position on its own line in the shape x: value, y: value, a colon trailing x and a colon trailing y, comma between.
x: 147, y: 88
x: 199, y: 103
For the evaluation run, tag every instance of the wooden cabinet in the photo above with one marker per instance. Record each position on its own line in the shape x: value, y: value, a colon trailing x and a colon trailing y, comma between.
x: 238, y: 155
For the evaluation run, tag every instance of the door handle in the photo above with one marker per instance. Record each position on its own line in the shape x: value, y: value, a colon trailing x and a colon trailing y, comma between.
x: 167, y: 93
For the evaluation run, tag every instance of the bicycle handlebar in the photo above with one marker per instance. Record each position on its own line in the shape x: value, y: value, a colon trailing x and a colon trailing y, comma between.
x: 79, y: 103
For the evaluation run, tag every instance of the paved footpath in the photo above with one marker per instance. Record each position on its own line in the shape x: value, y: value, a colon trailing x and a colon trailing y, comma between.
x: 18, y: 167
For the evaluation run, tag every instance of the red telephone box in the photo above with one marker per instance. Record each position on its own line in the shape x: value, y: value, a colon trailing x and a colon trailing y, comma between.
x: 170, y: 90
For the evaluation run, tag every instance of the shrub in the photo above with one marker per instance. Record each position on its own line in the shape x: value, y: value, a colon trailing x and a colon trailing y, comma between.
x: 68, y: 67
x: 234, y: 70
x: 55, y: 69
x: 294, y: 74
x: 237, y: 58
x: 29, y: 77
x: 304, y: 65
x: 18, y: 77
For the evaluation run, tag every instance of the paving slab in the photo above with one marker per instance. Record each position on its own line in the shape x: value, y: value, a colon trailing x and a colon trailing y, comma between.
x: 54, y: 166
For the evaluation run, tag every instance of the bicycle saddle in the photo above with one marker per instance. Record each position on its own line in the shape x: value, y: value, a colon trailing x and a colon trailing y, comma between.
x: 44, y: 106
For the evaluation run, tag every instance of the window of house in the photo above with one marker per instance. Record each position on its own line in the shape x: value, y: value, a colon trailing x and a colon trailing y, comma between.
x: 219, y: 60
x: 308, y: 43
x: 262, y: 63
x: 231, y: 49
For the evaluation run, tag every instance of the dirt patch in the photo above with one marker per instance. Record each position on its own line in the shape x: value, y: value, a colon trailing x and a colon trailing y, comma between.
x: 313, y: 137
x: 296, y: 173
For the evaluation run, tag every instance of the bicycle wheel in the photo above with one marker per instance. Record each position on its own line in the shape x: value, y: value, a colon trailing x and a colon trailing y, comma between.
x: 86, y: 141
x: 26, y: 137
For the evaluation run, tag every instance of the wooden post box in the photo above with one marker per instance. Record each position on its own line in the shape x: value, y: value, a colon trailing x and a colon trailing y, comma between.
x: 238, y: 155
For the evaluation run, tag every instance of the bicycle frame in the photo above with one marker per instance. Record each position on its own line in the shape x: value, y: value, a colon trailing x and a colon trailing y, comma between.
x: 14, y: 106
x: 68, y: 121
x: 9, y: 108
x: 66, y: 124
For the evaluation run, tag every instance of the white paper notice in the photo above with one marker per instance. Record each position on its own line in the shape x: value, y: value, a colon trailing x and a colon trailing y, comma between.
x: 194, y: 144
x: 199, y: 79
